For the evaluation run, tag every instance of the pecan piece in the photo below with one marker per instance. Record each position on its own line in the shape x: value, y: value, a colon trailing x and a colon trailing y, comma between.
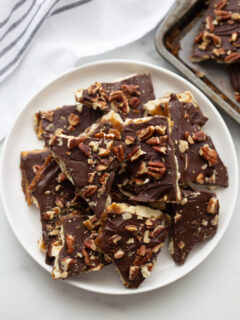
x: 209, y: 23
x: 73, y: 119
x: 90, y: 244
x: 133, y: 271
x: 130, y: 88
x: 94, y: 88
x: 199, y: 136
x: 156, y: 169
x: 134, y: 102
x: 119, y: 152
x: 129, y: 140
x: 103, y: 152
x: 200, y: 178
x: 232, y: 57
x: 119, y: 254
x: 86, y: 257
x: 209, y: 154
x: 70, y: 240
x: 212, y: 206
x: 145, y: 133
x: 131, y: 228
x: 89, y: 191
x: 84, y: 149
x: 160, y: 149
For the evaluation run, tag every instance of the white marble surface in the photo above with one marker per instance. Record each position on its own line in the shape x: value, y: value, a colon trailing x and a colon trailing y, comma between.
x: 212, y: 291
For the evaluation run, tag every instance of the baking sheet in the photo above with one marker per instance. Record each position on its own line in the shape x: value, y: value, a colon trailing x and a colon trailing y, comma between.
x: 174, y: 41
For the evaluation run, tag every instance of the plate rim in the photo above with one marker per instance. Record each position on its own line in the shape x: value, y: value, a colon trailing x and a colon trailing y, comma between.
x: 158, y: 69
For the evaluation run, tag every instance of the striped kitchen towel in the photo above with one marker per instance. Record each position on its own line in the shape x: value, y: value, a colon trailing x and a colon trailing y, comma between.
x: 22, y: 20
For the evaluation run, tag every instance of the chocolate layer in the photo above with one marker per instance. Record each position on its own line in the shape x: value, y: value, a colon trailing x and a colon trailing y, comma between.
x: 131, y: 237
x: 195, y: 220
x: 30, y: 163
x: 56, y: 196
x: 126, y: 96
x: 90, y: 164
x: 73, y: 120
x: 77, y: 252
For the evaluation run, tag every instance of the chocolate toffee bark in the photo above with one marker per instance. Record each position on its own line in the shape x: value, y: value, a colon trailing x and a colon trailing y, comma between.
x: 125, y: 96
x: 56, y: 196
x: 152, y: 165
x: 195, y: 220
x: 218, y: 36
x: 191, y: 111
x: 76, y: 252
x: 132, y: 237
x: 198, y: 160
x: 30, y: 163
x: 73, y: 120
x: 89, y: 163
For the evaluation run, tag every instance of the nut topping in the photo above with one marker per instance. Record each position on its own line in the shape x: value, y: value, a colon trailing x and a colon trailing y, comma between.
x: 73, y: 119
x: 209, y: 154
x: 212, y: 206
x: 89, y: 191
x: 145, y: 133
x: 70, y: 240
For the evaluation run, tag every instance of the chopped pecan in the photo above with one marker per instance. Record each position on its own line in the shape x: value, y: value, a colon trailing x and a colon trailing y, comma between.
x: 103, y: 179
x: 142, y: 169
x: 67, y: 263
x: 233, y: 37
x: 212, y: 206
x: 116, y: 133
x: 220, y: 4
x: 89, y: 191
x: 90, y: 244
x: 232, y: 57
x: 119, y: 152
x: 209, y: 154
x: 219, y: 52
x: 129, y: 140
x: 160, y: 130
x: 70, y: 241
x: 142, y: 250
x: 101, y: 167
x: 84, y: 149
x: 119, y: 254
x: 134, y: 102
x: 73, y: 119
x: 94, y: 88
x: 133, y: 272
x: 200, y: 178
x: 73, y: 142
x: 145, y: 133
x: 86, y: 257
x: 119, y: 101
x: 130, y: 88
x: 103, y: 152
x: 59, y: 202
x: 115, y: 238
x: 136, y: 153
x: 156, y: 169
x: 47, y: 115
x: 91, y: 176
x: 222, y: 14
x: 199, y: 136
x: 36, y: 168
x: 209, y: 23
x: 131, y: 228
x: 160, y: 149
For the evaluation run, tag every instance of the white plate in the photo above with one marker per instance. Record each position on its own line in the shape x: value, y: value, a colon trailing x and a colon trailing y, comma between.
x: 25, y: 221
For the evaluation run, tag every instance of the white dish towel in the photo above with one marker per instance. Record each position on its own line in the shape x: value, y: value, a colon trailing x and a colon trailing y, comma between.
x: 39, y: 39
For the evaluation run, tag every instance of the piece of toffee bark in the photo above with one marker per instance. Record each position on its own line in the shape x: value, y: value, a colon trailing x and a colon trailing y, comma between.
x: 89, y: 163
x: 56, y: 196
x: 195, y: 220
x: 76, y: 251
x: 30, y: 163
x: 198, y: 160
x: 131, y: 237
x: 152, y: 164
x: 218, y: 37
x: 73, y: 120
x: 125, y: 96
x: 150, y: 170
x: 191, y: 110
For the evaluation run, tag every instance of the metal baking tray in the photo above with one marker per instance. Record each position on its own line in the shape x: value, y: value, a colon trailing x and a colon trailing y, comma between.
x: 174, y: 40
